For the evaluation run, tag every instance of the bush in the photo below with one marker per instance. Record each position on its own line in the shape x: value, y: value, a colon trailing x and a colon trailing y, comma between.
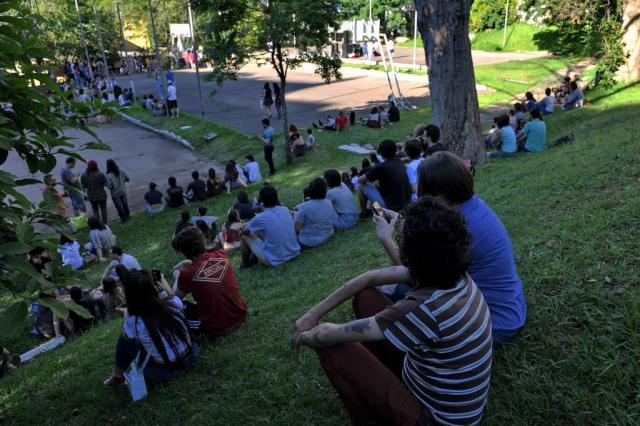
x: 489, y: 14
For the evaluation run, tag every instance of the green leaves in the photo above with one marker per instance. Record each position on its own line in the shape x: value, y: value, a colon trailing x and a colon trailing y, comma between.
x: 12, y: 319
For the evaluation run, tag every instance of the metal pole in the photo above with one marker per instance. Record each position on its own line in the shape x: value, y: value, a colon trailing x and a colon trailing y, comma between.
x: 506, y: 20
x: 195, y: 55
x: 126, y: 51
x: 100, y: 42
x: 155, y: 42
x: 86, y: 49
x: 370, y: 10
x: 415, y: 35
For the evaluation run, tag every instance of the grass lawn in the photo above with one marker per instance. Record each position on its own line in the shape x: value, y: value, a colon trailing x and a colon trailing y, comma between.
x: 573, y: 214
x: 521, y: 37
x: 510, y: 80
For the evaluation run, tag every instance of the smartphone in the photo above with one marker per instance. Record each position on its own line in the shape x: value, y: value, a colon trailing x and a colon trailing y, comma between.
x: 377, y: 210
x: 157, y: 275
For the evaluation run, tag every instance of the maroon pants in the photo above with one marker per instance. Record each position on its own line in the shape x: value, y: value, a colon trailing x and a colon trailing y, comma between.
x: 367, y: 376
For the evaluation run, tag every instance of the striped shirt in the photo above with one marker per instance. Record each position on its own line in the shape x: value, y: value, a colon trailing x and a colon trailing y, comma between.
x: 446, y: 335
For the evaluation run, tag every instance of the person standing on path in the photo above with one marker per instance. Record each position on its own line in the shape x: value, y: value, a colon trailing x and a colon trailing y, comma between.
x: 278, y: 100
x: 172, y: 100
x: 116, y: 180
x: 71, y: 183
x: 267, y: 99
x: 93, y: 181
x: 267, y: 138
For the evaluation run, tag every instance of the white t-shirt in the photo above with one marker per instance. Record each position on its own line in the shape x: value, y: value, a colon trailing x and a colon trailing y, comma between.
x: 311, y: 141
x: 171, y: 93
x: 121, y: 100
x: 253, y: 170
x: 412, y: 172
x: 128, y: 262
x: 70, y: 253
x: 549, y: 102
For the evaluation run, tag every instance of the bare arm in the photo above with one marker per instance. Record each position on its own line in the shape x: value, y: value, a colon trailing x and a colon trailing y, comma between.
x: 327, y: 334
x: 373, y: 278
x: 362, y: 180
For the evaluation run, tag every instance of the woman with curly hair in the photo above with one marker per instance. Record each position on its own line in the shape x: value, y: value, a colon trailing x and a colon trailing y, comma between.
x: 425, y: 359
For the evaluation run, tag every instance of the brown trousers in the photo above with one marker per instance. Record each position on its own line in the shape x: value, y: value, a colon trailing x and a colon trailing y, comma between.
x: 367, y: 375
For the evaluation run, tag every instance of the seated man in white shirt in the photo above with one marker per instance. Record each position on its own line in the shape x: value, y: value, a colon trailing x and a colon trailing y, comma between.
x: 252, y: 169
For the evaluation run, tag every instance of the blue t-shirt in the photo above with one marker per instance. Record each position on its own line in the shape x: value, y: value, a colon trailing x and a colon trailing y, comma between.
x: 508, y: 139
x: 342, y: 199
x: 536, y: 132
x: 170, y: 76
x: 493, y: 268
x: 316, y: 217
x: 268, y: 135
x: 275, y: 227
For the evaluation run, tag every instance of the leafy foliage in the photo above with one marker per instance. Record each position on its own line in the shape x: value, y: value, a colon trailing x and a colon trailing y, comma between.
x: 34, y: 113
x: 590, y: 28
x: 394, y: 15
x: 489, y: 14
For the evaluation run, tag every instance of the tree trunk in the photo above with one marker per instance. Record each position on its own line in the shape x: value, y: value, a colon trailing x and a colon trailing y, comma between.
x: 285, y: 122
x: 444, y: 26
x: 630, y: 71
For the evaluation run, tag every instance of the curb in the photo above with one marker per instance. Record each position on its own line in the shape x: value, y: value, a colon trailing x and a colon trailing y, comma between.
x: 167, y: 134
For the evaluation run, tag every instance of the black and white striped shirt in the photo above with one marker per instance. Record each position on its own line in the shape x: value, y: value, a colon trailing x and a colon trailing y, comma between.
x: 446, y: 335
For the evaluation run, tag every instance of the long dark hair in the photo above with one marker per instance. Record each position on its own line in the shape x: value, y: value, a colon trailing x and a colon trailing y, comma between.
x: 161, y: 319
x: 112, y: 167
x: 95, y: 223
x: 230, y: 170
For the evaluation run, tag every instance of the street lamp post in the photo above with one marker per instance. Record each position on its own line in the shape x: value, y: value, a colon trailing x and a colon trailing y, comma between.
x: 124, y: 46
x: 155, y: 42
x: 100, y: 42
x: 506, y: 20
x: 86, y: 49
x: 194, y: 46
x: 415, y: 35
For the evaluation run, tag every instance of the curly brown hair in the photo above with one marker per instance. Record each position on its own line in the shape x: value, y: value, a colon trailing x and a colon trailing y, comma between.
x: 435, y: 243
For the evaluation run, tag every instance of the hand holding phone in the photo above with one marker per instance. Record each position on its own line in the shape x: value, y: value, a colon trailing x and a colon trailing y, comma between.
x: 377, y: 210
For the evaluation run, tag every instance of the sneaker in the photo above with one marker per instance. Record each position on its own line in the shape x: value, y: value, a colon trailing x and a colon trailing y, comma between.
x: 114, y: 380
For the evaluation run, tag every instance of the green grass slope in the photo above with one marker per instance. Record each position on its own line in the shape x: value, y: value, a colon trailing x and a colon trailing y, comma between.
x: 521, y: 37
x: 573, y: 214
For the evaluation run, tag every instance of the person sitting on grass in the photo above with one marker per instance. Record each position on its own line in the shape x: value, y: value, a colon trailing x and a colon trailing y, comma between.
x: 298, y: 146
x: 503, y: 139
x: 413, y: 151
x: 101, y: 238
x: 353, y: 176
x: 310, y: 142
x: 270, y: 237
x: 346, y: 179
x: 70, y: 252
x: 197, y: 189
x: 213, y: 184
x: 342, y: 199
x: 202, y: 215
x: 209, y: 278
x: 183, y: 222
x: 149, y: 102
x: 252, y: 170
x: 493, y: 266
x: 374, y: 119
x: 111, y: 294
x: 548, y: 103
x: 393, y: 190
x: 81, y: 298
x: 534, y: 134
x: 530, y: 102
x: 175, y: 196
x: 425, y: 359
x: 432, y: 139
x: 575, y: 99
x: 244, y: 207
x: 232, y: 176
x: 394, y: 113
x: 153, y: 328
x: 153, y: 199
x: 209, y: 234
x: 315, y: 218
x: 119, y: 257
x: 232, y: 231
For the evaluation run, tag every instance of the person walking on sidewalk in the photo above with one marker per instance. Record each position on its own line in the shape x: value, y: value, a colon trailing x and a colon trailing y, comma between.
x: 116, y: 180
x: 93, y: 181
x: 267, y: 138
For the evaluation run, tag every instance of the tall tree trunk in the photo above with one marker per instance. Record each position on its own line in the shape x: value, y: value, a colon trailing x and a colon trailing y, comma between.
x: 444, y: 26
x: 285, y: 122
x: 630, y: 71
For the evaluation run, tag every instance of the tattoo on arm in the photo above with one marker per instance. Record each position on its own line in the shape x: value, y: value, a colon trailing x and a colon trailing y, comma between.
x: 358, y: 326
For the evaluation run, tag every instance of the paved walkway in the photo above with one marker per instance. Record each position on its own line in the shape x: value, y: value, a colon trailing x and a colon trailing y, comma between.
x: 145, y: 156
x: 404, y: 55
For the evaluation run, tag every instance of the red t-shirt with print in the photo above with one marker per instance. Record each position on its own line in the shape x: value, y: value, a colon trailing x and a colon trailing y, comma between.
x: 211, y: 280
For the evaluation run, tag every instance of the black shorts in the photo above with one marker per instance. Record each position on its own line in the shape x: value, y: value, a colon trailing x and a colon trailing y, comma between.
x: 172, y: 104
